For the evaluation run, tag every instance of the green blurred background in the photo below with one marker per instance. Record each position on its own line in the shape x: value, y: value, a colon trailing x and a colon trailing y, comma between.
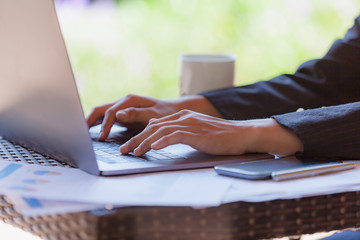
x: 132, y: 46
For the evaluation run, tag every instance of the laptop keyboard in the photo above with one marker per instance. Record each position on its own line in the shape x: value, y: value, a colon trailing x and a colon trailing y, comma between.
x: 109, y: 152
x: 16, y: 153
x: 105, y: 151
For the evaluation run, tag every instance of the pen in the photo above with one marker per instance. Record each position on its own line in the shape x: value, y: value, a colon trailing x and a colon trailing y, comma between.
x: 311, y: 171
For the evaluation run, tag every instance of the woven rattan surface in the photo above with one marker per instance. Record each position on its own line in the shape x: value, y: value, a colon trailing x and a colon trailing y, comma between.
x: 240, y: 220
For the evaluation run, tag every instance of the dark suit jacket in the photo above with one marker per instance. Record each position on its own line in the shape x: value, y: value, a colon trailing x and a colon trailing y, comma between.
x: 329, y: 90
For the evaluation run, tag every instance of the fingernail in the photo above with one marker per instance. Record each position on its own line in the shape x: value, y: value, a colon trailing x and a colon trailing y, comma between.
x: 123, y: 148
x: 137, y: 151
x: 155, y: 146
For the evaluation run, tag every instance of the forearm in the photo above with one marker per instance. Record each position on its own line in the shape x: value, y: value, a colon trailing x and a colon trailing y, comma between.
x: 323, y: 133
x: 326, y: 133
x: 331, y: 80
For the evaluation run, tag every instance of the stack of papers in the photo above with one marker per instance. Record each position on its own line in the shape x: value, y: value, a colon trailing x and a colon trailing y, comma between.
x: 34, y: 189
x: 40, y: 190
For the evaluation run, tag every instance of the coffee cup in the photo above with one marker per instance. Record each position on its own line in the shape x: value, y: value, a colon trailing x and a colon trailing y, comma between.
x: 205, y: 72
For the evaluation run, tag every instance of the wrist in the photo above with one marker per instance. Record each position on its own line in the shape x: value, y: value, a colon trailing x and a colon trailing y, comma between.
x: 268, y: 136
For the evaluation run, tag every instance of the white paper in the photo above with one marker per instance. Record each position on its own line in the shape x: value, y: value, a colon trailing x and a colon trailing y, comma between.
x: 180, y: 188
x: 177, y: 188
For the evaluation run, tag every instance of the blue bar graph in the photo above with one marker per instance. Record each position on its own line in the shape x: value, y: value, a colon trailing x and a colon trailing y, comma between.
x: 8, y: 170
x: 32, y: 202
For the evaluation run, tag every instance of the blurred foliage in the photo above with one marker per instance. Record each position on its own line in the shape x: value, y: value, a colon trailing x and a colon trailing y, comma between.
x: 132, y: 46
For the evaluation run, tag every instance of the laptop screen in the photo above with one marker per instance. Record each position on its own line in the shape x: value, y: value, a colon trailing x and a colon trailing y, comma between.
x: 40, y: 106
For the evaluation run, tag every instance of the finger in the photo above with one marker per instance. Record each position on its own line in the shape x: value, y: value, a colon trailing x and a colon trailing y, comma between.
x: 108, y: 122
x: 145, y: 145
x: 133, y: 101
x: 176, y: 137
x: 150, y: 129
x: 170, y: 118
x: 134, y: 142
x: 134, y: 115
x: 110, y: 113
x: 178, y: 121
x: 97, y: 114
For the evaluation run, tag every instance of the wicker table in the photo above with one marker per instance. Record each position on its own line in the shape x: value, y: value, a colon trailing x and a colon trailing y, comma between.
x: 240, y: 220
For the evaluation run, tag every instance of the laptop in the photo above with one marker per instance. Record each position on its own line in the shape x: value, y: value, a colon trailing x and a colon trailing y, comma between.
x: 40, y: 106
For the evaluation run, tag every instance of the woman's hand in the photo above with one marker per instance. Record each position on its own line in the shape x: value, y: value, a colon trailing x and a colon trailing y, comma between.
x: 214, y: 135
x: 138, y: 110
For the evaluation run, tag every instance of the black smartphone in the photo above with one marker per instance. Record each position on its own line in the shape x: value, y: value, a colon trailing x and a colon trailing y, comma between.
x: 280, y: 169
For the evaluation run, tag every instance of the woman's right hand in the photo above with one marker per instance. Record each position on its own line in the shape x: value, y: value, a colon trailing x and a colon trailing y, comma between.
x: 139, y: 110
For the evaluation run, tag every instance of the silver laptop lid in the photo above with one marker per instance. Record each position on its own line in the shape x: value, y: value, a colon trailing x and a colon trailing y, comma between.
x: 39, y: 103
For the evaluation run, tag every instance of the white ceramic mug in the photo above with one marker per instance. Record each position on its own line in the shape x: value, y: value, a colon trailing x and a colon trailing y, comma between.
x: 205, y: 72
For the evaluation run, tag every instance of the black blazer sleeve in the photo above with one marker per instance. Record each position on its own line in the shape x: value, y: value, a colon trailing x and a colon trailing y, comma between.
x: 326, y: 133
x: 331, y: 80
